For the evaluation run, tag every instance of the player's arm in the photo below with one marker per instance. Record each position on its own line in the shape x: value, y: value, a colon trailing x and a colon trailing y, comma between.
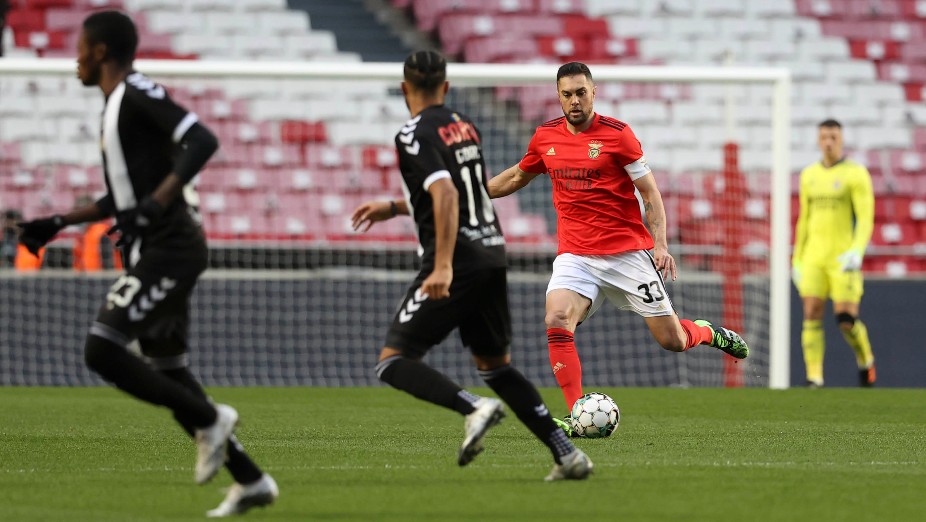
x: 509, y: 181
x: 863, y: 205
x: 517, y: 176
x: 800, y: 231
x: 371, y: 212
x: 193, y: 149
x: 194, y: 144
x: 656, y: 219
x: 37, y: 233
x: 446, y: 202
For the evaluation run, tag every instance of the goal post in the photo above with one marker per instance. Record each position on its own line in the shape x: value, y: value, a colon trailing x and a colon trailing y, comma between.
x: 503, y: 99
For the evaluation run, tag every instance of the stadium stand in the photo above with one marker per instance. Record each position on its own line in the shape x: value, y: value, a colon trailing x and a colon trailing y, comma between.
x: 873, y: 77
x: 278, y: 143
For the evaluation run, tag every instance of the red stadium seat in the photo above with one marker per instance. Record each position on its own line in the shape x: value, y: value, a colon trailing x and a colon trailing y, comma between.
x: 894, y: 234
x: 23, y: 21
x: 504, y: 49
x: 299, y: 131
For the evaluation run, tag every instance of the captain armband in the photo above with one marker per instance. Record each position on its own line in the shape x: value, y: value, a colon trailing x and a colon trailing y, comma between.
x: 637, y: 169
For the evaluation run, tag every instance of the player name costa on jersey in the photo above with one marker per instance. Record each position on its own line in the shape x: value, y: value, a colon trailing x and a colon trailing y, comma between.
x: 437, y: 144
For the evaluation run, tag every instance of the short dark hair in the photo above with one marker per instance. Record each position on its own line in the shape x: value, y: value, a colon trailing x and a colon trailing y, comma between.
x: 425, y: 70
x: 830, y: 123
x: 117, y: 31
x: 572, y: 69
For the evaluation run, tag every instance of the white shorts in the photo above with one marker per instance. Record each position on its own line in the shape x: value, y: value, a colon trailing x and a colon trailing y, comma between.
x: 629, y: 280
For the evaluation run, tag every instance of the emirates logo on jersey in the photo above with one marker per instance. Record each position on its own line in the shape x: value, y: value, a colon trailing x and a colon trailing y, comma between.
x: 594, y: 149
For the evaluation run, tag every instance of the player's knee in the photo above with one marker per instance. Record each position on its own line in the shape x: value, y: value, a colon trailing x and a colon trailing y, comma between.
x: 556, y: 319
x: 484, y: 363
x: 671, y: 342
x: 845, y: 320
x: 385, y: 369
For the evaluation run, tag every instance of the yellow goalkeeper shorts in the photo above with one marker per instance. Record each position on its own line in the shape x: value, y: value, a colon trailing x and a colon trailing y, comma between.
x: 831, y: 282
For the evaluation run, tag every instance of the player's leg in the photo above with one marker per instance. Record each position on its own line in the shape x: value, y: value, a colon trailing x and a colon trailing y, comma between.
x: 847, y: 295
x: 487, y: 331
x: 573, y: 295
x: 404, y: 370
x: 564, y: 309
x: 524, y: 400
x: 106, y: 351
x: 814, y: 288
x: 419, y: 324
x: 631, y: 280
x: 139, y: 299
x: 165, y: 345
x: 252, y: 487
x: 168, y: 355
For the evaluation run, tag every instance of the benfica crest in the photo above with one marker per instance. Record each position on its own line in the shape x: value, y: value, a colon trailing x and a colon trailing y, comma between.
x: 594, y: 149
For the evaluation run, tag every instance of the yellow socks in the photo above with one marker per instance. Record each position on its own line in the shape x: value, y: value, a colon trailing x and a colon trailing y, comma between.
x: 857, y: 337
x: 814, y: 345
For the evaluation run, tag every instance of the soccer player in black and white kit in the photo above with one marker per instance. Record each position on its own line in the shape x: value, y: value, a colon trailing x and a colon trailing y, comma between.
x: 151, y: 149
x: 462, y: 282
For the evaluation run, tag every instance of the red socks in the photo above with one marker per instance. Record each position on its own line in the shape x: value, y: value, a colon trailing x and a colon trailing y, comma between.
x: 565, y: 363
x: 695, y: 334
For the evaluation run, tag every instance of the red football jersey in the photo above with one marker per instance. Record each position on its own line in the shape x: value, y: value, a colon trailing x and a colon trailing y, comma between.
x: 597, y: 210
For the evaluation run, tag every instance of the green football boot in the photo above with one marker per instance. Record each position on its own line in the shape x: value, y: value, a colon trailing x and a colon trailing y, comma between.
x: 564, y: 424
x: 726, y: 340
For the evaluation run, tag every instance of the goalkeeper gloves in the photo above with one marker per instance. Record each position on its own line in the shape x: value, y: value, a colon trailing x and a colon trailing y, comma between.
x: 35, y: 234
x: 850, y: 260
x: 132, y: 224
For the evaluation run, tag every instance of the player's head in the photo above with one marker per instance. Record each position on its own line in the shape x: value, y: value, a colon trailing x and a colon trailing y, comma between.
x: 829, y: 139
x: 106, y: 36
x: 576, y: 92
x: 425, y: 75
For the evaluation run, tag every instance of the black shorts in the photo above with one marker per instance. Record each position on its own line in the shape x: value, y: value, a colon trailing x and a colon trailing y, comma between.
x: 151, y: 303
x: 478, y: 306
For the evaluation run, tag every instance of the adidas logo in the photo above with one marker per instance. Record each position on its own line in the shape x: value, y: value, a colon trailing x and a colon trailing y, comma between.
x: 551, y: 152
x: 558, y: 366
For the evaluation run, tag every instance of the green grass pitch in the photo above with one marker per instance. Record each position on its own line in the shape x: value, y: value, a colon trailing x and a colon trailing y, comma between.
x: 374, y: 454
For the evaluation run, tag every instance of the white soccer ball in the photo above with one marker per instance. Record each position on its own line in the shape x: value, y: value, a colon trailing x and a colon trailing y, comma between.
x: 595, y: 415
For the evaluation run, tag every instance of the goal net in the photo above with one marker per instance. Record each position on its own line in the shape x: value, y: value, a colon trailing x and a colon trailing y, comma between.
x: 294, y: 297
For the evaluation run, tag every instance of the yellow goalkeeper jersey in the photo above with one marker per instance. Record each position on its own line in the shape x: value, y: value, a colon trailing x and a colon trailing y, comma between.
x: 836, y: 214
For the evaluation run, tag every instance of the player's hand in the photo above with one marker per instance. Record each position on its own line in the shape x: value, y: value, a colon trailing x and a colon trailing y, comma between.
x: 35, y: 234
x: 133, y: 224
x: 796, y: 272
x: 665, y: 263
x: 370, y: 212
x: 437, y: 284
x: 850, y: 260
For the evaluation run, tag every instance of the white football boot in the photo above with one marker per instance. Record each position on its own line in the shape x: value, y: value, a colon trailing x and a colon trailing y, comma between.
x: 575, y: 466
x: 489, y: 412
x: 241, y: 498
x: 212, y: 443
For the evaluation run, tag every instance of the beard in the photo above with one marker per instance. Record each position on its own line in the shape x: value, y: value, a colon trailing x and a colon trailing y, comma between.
x: 577, y: 120
x: 90, y: 77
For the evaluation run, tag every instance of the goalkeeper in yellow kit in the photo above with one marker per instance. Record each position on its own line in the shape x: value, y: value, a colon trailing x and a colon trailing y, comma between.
x: 834, y: 226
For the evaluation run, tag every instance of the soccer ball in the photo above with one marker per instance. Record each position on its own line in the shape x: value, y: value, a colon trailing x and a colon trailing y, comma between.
x: 595, y: 415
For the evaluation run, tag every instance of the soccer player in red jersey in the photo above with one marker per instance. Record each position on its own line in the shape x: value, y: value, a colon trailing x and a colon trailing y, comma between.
x: 605, y: 251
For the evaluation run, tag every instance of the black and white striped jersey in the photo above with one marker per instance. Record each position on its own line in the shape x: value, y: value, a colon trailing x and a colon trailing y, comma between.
x: 439, y: 143
x: 141, y: 127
